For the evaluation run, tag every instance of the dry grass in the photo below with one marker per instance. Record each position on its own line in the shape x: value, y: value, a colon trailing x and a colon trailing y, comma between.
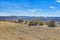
x: 14, y: 31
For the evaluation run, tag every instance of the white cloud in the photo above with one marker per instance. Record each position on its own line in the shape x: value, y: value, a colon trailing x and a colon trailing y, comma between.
x: 58, y: 1
x: 4, y: 14
x: 52, y: 7
x: 33, y: 10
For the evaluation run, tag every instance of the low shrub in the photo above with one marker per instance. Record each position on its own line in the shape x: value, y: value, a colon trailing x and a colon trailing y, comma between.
x: 52, y: 23
x: 33, y: 23
x: 41, y: 23
x: 20, y: 20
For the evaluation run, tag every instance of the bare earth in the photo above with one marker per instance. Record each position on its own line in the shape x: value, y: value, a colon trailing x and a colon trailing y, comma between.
x: 14, y: 31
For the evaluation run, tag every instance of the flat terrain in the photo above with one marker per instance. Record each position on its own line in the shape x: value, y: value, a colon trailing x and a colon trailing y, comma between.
x: 15, y: 31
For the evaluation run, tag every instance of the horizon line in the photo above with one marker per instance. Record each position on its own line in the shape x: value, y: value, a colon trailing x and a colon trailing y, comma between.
x: 35, y: 16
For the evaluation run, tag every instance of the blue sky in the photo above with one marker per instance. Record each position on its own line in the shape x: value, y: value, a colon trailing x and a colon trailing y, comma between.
x: 30, y: 8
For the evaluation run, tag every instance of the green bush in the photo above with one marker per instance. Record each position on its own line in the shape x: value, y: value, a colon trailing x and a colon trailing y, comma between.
x: 20, y: 20
x: 52, y: 23
x: 41, y: 23
x: 36, y: 22
x: 33, y: 23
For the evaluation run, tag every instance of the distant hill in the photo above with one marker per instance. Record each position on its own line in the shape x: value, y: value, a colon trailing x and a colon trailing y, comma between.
x: 8, y: 17
x: 57, y: 19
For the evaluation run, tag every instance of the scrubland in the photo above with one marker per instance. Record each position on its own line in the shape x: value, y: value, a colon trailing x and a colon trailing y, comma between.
x: 17, y: 31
